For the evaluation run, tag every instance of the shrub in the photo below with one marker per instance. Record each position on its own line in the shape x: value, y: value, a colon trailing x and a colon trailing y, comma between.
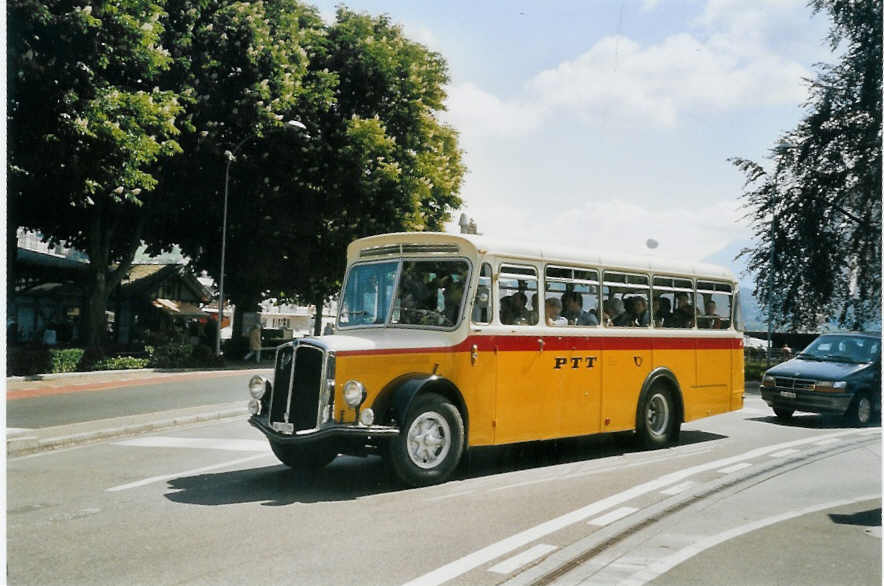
x: 120, y: 363
x: 169, y: 355
x: 203, y: 355
x: 65, y: 360
x: 90, y: 357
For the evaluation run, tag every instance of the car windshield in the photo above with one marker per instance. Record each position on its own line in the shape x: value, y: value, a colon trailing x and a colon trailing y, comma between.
x: 836, y: 348
x: 430, y: 293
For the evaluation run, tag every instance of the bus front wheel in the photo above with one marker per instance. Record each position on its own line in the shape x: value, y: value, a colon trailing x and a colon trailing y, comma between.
x: 658, y: 421
x: 430, y: 442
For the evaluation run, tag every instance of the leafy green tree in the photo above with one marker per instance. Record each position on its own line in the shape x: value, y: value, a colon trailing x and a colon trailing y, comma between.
x: 374, y: 158
x: 818, y: 209
x: 86, y: 124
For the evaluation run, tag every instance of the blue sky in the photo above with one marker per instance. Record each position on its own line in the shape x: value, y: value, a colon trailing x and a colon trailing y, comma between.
x: 602, y: 124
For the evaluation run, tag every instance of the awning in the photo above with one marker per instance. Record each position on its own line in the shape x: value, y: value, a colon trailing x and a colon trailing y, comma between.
x: 179, y: 308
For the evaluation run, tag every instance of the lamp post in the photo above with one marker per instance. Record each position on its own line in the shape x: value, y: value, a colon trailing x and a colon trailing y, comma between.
x: 231, y: 155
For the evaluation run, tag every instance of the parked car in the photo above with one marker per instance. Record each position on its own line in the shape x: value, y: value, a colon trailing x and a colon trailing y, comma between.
x: 836, y: 374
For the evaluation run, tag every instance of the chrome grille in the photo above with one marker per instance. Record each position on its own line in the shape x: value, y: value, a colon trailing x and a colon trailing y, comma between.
x: 794, y: 384
x: 297, y: 400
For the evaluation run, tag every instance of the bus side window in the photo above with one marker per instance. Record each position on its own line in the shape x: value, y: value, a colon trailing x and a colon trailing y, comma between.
x: 713, y: 305
x: 517, y: 289
x: 482, y: 309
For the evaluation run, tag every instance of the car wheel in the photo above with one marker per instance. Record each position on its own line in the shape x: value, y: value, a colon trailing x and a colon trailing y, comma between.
x: 305, y: 458
x: 783, y: 412
x: 430, y: 442
x: 658, y: 422
x: 860, y: 412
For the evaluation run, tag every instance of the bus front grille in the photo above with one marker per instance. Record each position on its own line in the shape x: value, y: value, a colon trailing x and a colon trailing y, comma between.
x: 297, y: 383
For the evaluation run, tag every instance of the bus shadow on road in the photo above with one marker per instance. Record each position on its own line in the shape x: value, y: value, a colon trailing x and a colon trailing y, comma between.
x: 349, y: 478
x: 810, y: 421
x: 514, y: 457
x: 346, y: 478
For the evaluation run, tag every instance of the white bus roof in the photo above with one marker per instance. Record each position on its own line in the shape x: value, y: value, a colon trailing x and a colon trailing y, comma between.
x: 519, y: 250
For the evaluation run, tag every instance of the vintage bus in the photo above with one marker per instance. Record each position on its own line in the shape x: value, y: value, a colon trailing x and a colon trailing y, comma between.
x: 445, y: 342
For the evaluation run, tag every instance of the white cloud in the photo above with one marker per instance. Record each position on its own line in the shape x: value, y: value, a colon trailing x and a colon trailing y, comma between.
x: 618, y: 226
x: 727, y: 64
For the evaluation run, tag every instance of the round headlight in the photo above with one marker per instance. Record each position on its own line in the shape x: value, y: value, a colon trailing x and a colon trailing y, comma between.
x: 254, y: 406
x: 366, y: 416
x: 257, y: 387
x: 354, y: 393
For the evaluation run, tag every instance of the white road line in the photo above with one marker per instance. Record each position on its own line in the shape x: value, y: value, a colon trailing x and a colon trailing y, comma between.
x: 153, y: 479
x: 614, y: 515
x: 660, y: 567
x: 734, y: 468
x: 524, y: 558
x: 673, y: 490
x: 236, y: 445
x: 486, y: 554
x: 826, y: 442
x: 784, y: 453
x: 449, y: 496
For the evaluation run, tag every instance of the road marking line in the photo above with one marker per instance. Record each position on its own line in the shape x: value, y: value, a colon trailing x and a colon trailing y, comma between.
x: 236, y: 445
x: 153, y: 479
x: 734, y: 468
x: 524, y: 558
x: 673, y: 490
x: 784, y: 453
x: 831, y: 440
x: 482, y: 556
x: 449, y: 496
x: 614, y: 515
x: 660, y: 567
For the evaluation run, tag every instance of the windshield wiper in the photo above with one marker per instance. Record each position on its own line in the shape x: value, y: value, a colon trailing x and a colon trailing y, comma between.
x: 808, y: 356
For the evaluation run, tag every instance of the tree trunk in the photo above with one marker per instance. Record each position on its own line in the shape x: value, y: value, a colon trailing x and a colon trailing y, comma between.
x: 317, y: 319
x: 93, y: 323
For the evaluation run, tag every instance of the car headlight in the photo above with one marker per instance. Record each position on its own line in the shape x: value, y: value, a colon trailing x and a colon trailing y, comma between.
x: 769, y: 381
x: 257, y: 387
x: 828, y: 386
x: 254, y: 407
x: 354, y: 393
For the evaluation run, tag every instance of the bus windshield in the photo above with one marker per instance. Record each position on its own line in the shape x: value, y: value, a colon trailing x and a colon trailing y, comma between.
x: 430, y: 293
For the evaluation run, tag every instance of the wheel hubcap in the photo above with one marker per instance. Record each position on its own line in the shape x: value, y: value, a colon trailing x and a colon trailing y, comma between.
x: 864, y: 410
x: 658, y: 415
x: 429, y: 440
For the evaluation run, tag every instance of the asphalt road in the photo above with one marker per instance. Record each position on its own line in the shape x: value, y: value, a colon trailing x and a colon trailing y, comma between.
x: 178, y: 392
x: 744, y: 499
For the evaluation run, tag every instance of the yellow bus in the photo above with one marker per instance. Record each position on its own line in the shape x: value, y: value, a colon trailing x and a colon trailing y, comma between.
x: 445, y: 342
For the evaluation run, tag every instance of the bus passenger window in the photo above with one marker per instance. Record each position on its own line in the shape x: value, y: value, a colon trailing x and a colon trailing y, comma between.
x: 713, y: 305
x: 517, y: 290
x: 626, y: 300
x: 672, y: 303
x: 482, y: 303
x: 577, y: 291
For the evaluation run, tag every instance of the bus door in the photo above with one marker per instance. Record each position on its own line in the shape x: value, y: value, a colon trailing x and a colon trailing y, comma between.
x: 714, y: 355
x: 627, y: 357
x: 526, y: 387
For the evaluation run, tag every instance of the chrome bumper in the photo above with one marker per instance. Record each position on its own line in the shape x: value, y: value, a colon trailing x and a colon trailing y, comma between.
x: 328, y: 432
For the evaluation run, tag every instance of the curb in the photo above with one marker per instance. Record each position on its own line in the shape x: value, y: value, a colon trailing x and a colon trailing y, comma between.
x: 30, y: 444
x: 97, y: 373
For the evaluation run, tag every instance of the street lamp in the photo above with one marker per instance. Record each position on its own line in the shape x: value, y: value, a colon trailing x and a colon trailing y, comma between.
x: 231, y: 155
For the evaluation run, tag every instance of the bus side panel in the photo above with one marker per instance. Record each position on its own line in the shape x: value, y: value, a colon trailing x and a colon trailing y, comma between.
x: 581, y: 390
x: 713, y: 380
x: 738, y: 379
x: 528, y: 390
x: 477, y: 381
x: 623, y: 372
x: 683, y: 365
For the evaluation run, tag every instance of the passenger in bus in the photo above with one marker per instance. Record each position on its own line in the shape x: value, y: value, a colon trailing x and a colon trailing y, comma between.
x: 532, y: 314
x: 613, y: 309
x: 630, y: 318
x: 644, y: 316
x: 512, y: 309
x: 574, y: 313
x: 662, y: 312
x: 452, y: 294
x: 553, y: 311
x: 684, y: 312
x: 710, y: 320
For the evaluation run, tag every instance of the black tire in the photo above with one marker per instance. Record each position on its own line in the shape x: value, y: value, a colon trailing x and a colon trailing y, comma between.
x: 304, y: 458
x: 861, y: 411
x: 783, y: 413
x: 430, y: 442
x: 658, y: 421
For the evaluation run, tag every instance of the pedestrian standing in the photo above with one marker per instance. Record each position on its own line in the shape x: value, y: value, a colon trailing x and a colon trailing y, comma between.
x: 254, y: 344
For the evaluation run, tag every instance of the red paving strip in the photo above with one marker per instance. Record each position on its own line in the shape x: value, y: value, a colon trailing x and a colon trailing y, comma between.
x: 26, y: 393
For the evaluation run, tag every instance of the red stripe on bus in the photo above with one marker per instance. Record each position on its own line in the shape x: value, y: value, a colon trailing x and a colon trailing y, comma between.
x: 563, y: 343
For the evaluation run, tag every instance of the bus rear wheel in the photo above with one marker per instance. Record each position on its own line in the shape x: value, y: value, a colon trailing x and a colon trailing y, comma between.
x: 658, y: 421
x: 303, y: 458
x: 430, y: 442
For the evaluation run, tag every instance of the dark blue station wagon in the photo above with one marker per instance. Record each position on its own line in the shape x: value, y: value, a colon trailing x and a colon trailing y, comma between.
x: 837, y: 374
